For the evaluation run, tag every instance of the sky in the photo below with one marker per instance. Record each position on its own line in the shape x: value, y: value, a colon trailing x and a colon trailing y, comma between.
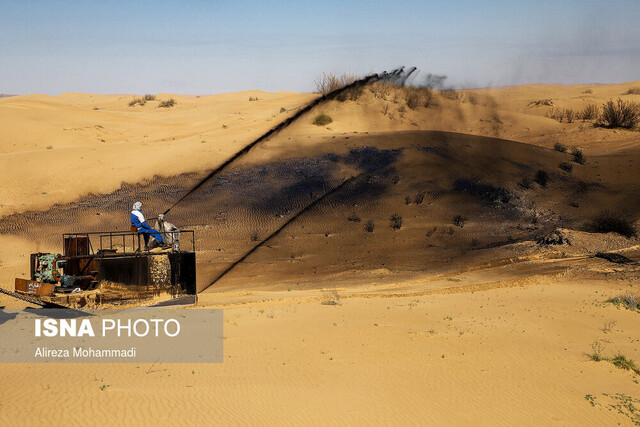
x: 208, y: 47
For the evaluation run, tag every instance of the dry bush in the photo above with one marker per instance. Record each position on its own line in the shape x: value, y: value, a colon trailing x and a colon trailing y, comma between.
x: 283, y: 110
x: 322, y: 119
x: 542, y: 178
x: 560, y: 147
x: 369, y: 226
x: 396, y: 221
x: 621, y: 114
x: 540, y: 102
x: 459, y: 221
x: 598, y: 348
x: 137, y: 101
x: 328, y: 82
x: 567, y: 167
x: 609, y: 221
x: 149, y: 97
x: 590, y: 112
x: 588, y: 91
x: 633, y: 91
x: 413, y: 99
x: 330, y: 298
x: 451, y: 94
x: 167, y: 103
x: 556, y: 114
x: 578, y: 156
x: 251, y: 98
x: 569, y: 115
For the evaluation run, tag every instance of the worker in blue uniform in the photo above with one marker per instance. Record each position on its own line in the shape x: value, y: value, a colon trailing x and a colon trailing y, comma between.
x: 137, y: 221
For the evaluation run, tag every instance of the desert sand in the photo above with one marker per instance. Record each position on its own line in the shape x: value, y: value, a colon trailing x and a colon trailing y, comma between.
x: 440, y: 321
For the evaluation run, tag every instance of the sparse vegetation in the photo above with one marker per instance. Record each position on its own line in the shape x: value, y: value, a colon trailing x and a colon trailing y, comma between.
x: 413, y: 100
x: 598, y: 348
x: 569, y: 115
x: 588, y: 91
x: 418, y: 199
x: 567, y: 167
x: 451, y: 94
x: 628, y: 301
x: 254, y: 236
x: 633, y: 91
x: 49, y: 147
x: 525, y: 183
x: 330, y: 298
x: 608, y: 326
x: 609, y: 221
x: 353, y: 218
x: 560, y: 147
x: 329, y: 82
x: 556, y: 114
x: 167, y: 103
x: 578, y: 156
x: 590, y: 112
x: 622, y: 362
x: 541, y: 178
x: 251, y: 98
x: 396, y: 221
x: 621, y: 114
x: 540, y: 102
x: 369, y: 226
x: 322, y: 119
x: 149, y: 97
x: 137, y: 101
x: 459, y: 221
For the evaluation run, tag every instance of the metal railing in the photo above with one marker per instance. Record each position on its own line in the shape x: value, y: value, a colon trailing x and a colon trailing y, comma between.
x: 122, y: 242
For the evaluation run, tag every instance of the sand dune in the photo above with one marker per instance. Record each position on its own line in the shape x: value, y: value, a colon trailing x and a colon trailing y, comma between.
x: 455, y: 316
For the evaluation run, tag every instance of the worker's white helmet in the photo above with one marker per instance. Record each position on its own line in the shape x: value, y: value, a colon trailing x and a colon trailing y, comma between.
x: 137, y: 206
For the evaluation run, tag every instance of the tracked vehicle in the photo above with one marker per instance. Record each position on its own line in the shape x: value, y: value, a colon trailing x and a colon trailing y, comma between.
x: 109, y: 268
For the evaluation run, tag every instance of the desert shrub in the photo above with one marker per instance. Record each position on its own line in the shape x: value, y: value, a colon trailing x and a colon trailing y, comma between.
x: 567, y: 167
x: 629, y: 301
x: 283, y: 110
x: 459, y: 221
x: 149, y: 97
x: 407, y: 200
x: 569, y: 115
x: 396, y: 221
x: 541, y: 178
x: 621, y: 114
x: 413, y: 100
x: 328, y: 82
x: 578, y: 156
x: 623, y: 362
x: 560, y: 147
x: 451, y: 94
x: 525, y: 183
x: 633, y: 91
x: 369, y: 226
x: 137, y: 101
x: 556, y: 114
x: 598, y: 348
x: 609, y: 221
x: 322, y: 119
x: 418, y: 199
x: 540, y: 102
x: 353, y: 218
x: 402, y: 109
x: 49, y: 147
x: 590, y: 112
x: 251, y: 98
x: 254, y: 236
x: 588, y: 91
x: 167, y: 103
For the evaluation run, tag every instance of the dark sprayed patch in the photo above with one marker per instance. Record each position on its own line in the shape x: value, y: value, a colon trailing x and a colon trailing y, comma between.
x: 370, y: 158
x: 484, y: 191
